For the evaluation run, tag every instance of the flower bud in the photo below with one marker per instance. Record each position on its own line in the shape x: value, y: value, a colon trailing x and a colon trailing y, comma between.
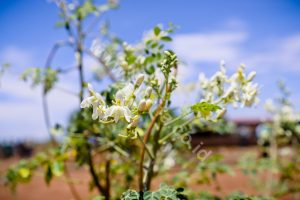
x: 124, y: 65
x: 142, y: 106
x: 90, y: 87
x: 149, y: 104
x: 251, y: 76
x: 139, y: 80
x: 135, y: 121
x: 168, y: 53
x: 129, y: 126
x: 221, y: 113
x: 148, y: 91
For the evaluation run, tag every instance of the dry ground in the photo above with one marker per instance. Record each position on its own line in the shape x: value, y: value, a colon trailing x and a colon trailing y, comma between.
x: 58, y: 190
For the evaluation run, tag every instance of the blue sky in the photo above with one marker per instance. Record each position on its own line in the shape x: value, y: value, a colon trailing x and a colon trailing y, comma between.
x: 265, y: 35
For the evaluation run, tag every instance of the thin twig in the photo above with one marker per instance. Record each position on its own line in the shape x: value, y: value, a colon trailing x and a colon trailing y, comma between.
x: 47, y: 118
x: 102, y: 62
x: 156, y: 147
x: 66, y: 91
x: 66, y: 70
x: 54, y: 50
x: 93, y: 173
x: 92, y: 25
x: 48, y: 63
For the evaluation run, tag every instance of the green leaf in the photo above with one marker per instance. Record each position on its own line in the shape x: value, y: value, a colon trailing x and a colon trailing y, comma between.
x: 166, y: 38
x: 50, y: 78
x: 205, y: 108
x: 48, y: 174
x: 165, y: 192
x: 87, y: 8
x: 151, y: 196
x: 130, y: 195
x: 57, y: 168
x: 150, y: 70
x: 156, y: 30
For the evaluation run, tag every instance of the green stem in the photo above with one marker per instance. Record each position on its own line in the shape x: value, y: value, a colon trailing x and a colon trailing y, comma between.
x: 161, y: 141
x: 177, y: 118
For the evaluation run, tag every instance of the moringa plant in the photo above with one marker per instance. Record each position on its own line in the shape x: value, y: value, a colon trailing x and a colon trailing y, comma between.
x: 127, y: 133
x: 279, y: 142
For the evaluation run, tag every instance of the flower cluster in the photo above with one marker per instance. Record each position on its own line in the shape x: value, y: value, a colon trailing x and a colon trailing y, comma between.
x: 122, y: 106
x: 237, y: 89
x: 283, y: 114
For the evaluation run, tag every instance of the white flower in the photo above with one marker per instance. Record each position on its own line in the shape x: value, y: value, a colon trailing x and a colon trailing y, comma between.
x: 97, y: 47
x: 203, y: 81
x: 237, y: 89
x: 249, y: 95
x: 269, y: 105
x: 251, y: 76
x: 87, y: 102
x: 124, y: 95
x: 122, y: 100
x: 96, y: 101
x: 169, y: 162
x: 118, y: 112
x: 99, y: 112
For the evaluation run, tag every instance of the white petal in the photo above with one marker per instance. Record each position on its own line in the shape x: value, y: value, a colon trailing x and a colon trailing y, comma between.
x: 109, y: 112
x: 90, y: 87
x: 127, y: 114
x: 95, y: 113
x: 99, y: 97
x: 86, y: 102
x: 101, y: 112
x: 118, y: 112
x: 125, y: 93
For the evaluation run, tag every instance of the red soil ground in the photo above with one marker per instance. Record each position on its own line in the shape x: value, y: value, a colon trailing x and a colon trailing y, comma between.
x: 58, y: 190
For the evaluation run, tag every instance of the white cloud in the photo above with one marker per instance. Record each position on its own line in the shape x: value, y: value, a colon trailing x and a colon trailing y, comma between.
x: 21, y: 114
x: 235, y: 24
x: 17, y: 56
x: 209, y: 47
x: 282, y: 54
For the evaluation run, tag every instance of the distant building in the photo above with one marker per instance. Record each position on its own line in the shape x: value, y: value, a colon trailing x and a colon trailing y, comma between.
x: 244, y: 134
